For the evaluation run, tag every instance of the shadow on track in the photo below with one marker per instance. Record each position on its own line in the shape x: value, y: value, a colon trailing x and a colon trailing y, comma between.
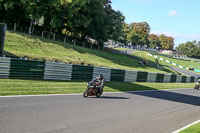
x: 171, y: 96
x: 159, y: 94
x: 110, y: 97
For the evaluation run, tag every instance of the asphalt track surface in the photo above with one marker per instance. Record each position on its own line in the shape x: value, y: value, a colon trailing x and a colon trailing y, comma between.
x: 184, y: 71
x: 131, y: 112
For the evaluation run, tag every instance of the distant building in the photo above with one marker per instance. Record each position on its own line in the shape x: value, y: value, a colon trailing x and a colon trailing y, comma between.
x: 166, y: 51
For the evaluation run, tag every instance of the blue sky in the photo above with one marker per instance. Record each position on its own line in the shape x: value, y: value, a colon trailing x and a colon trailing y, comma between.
x: 177, y: 18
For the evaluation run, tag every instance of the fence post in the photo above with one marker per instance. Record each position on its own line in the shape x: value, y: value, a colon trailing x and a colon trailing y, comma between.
x: 74, y: 42
x: 64, y: 39
x: 54, y: 36
x: 2, y: 37
x: 42, y: 34
x: 15, y: 26
x: 29, y: 30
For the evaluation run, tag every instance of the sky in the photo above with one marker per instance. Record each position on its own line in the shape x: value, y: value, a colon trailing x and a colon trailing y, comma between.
x: 176, y: 18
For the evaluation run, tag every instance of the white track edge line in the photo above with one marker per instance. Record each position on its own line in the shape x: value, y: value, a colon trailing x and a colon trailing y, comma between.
x: 181, y: 129
x: 76, y: 94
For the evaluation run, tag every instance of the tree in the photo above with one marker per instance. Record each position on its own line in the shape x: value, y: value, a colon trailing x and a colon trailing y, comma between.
x: 166, y: 42
x: 154, y: 41
x: 117, y: 25
x: 189, y: 49
x: 125, y: 31
x: 139, y: 33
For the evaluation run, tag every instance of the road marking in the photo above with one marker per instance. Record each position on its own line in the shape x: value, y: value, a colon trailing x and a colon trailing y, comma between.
x: 186, y: 126
x: 77, y: 94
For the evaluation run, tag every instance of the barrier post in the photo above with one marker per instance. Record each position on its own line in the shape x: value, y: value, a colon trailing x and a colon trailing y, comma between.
x: 2, y: 37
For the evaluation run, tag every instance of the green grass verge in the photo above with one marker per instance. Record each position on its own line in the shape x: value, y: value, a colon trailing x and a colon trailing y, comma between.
x: 36, y: 87
x: 121, y: 48
x: 193, y: 129
x: 182, y: 62
x: 144, y: 55
x: 20, y: 45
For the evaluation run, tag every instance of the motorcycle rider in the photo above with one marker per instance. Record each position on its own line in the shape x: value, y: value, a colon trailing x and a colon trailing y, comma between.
x: 197, y: 84
x: 101, y: 81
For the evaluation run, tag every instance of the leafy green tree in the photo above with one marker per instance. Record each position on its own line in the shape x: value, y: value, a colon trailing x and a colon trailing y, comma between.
x: 154, y: 41
x: 166, y: 42
x: 117, y: 25
x: 77, y: 19
x: 189, y: 49
x: 139, y: 33
x: 125, y: 31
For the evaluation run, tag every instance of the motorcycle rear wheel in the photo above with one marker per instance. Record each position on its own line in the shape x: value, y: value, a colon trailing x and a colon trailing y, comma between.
x: 98, y: 94
x: 195, y: 87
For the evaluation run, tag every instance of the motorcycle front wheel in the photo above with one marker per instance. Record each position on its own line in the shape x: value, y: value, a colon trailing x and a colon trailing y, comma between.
x: 86, y: 93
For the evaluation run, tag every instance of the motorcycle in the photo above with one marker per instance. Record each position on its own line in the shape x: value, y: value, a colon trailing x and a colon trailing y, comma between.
x: 92, y: 89
x: 196, y: 86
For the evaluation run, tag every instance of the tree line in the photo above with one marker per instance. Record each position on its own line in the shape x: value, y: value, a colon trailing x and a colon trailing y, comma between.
x: 189, y: 48
x: 80, y: 20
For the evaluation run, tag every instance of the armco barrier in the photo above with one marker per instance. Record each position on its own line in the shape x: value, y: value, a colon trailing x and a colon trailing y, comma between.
x: 31, y: 69
x: 57, y: 71
x: 4, y: 67
x: 26, y: 69
x: 100, y: 70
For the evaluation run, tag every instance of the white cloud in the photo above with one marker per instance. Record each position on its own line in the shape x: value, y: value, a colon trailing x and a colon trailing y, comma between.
x: 173, y: 13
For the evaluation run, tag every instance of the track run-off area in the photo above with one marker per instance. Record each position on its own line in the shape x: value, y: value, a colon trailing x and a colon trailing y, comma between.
x: 157, y: 111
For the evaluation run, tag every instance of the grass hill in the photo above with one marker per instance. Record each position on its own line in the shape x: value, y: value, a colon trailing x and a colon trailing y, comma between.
x: 186, y: 63
x: 20, y: 45
x: 144, y: 55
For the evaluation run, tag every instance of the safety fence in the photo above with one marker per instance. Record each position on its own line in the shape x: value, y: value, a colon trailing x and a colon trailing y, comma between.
x: 187, y: 68
x: 43, y: 70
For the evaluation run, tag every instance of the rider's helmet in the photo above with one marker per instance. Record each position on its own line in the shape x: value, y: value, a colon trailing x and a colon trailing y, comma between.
x: 100, y: 77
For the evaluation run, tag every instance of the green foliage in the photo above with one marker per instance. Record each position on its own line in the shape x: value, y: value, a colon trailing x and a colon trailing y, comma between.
x: 161, y: 42
x: 190, y: 48
x: 154, y: 41
x: 124, y: 34
x: 139, y: 33
x: 77, y: 19
x: 166, y: 42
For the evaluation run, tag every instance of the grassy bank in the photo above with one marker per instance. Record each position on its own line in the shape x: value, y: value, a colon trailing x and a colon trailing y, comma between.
x: 193, y: 129
x: 20, y: 45
x: 144, y: 55
x: 34, y: 87
x: 121, y: 49
x: 190, y: 64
